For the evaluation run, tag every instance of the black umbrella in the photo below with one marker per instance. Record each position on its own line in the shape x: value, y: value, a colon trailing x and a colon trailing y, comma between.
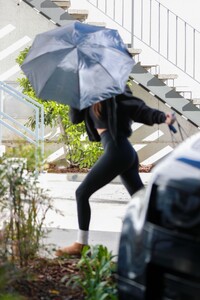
x: 78, y: 64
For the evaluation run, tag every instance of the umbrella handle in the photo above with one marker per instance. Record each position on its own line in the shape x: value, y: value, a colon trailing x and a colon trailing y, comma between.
x: 172, y: 128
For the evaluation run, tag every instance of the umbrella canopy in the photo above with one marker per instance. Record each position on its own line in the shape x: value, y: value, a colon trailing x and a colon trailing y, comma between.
x: 78, y: 64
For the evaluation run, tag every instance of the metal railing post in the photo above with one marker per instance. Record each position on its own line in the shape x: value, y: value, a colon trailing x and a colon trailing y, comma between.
x: 167, y: 33
x: 150, y: 21
x: 123, y: 13
x: 35, y: 137
x: 185, y: 47
x: 132, y: 23
x: 176, y: 40
x: 194, y: 53
x: 142, y: 11
x: 1, y: 110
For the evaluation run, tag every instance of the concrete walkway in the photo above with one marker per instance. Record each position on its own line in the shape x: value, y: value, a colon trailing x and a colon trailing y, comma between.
x: 108, y: 207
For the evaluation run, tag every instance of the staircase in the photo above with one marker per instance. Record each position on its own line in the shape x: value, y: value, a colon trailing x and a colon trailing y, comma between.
x: 155, y: 87
x: 168, y: 79
x: 82, y: 15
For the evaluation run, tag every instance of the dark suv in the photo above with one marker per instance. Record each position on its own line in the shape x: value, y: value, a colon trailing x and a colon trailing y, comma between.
x: 159, y: 248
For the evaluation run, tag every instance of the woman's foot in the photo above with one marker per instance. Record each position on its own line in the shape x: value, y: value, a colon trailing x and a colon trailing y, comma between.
x: 75, y: 249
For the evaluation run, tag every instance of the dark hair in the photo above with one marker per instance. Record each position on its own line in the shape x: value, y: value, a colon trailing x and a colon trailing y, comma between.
x: 97, y: 109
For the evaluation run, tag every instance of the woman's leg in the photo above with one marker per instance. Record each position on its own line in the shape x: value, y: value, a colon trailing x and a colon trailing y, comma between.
x: 102, y: 173
x: 116, y: 159
x: 120, y: 159
x: 104, y: 170
x: 131, y: 178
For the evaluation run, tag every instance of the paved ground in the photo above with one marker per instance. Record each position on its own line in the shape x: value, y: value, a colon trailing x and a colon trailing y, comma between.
x: 108, y: 208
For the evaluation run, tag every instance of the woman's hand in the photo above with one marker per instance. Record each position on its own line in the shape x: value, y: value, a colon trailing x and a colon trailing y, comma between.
x: 170, y: 118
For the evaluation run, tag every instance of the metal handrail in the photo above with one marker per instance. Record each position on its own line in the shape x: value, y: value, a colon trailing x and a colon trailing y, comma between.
x: 37, y: 135
x: 179, y: 44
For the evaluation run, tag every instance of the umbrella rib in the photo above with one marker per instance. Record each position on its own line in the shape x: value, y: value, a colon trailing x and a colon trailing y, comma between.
x: 50, y: 73
x: 55, y: 69
x: 113, y: 49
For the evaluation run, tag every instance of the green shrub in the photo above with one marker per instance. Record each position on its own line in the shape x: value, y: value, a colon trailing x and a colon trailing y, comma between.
x: 23, y: 208
x: 28, y: 152
x: 96, y: 278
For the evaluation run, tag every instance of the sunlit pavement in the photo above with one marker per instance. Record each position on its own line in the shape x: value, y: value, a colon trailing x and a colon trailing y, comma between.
x: 108, y: 207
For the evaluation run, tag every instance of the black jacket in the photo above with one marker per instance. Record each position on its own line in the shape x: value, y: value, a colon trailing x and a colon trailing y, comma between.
x: 122, y: 110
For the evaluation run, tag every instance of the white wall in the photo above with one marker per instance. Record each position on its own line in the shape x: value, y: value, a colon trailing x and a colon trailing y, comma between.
x: 187, y: 10
x: 18, y: 26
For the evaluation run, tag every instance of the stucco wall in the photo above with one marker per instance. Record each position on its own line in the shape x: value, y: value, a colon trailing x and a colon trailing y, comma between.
x: 20, y: 24
x: 187, y: 10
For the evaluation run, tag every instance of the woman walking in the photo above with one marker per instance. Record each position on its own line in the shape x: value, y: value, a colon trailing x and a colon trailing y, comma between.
x: 109, y: 121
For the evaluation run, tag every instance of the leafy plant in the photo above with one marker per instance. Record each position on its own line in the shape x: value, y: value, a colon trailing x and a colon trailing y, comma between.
x: 96, y: 274
x: 23, y: 207
x: 8, y: 274
x: 79, y: 151
x: 29, y: 153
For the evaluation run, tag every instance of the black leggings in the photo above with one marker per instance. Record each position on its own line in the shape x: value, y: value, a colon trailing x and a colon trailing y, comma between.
x: 118, y: 159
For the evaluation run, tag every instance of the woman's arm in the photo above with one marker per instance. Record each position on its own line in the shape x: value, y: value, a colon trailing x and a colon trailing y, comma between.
x: 138, y: 111
x: 76, y: 116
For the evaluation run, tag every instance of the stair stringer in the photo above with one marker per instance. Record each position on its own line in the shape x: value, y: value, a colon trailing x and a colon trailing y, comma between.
x: 51, y: 11
x: 153, y: 143
x: 166, y: 94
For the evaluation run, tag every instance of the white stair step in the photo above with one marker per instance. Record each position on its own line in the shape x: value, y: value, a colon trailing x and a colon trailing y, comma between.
x: 79, y: 14
x: 152, y: 68
x: 135, y: 52
x: 166, y: 76
x: 101, y: 24
x: 182, y: 88
x: 65, y: 4
x: 196, y: 101
x: 184, y: 91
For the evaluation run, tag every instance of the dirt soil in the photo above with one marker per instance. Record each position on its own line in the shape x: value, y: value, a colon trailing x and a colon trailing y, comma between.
x: 53, y: 168
x: 44, y: 280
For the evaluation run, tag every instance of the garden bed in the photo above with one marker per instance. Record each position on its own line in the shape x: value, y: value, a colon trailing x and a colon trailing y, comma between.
x: 42, y: 280
x: 54, y: 168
